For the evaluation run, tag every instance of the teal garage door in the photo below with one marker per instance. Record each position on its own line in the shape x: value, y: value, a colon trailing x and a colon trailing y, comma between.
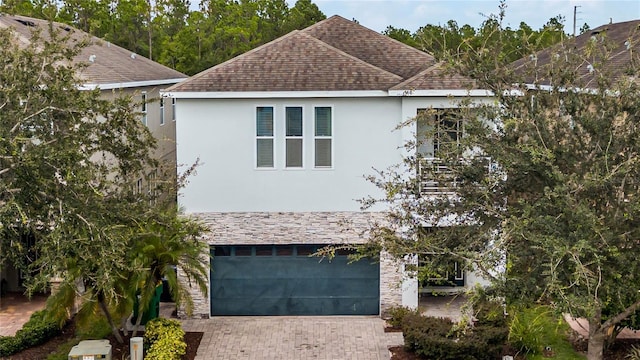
x: 285, y: 280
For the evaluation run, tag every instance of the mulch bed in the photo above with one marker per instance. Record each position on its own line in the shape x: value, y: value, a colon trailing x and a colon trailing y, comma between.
x: 118, y: 351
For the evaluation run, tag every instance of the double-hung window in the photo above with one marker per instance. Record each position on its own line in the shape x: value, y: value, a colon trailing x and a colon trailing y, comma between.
x: 293, y: 137
x: 323, y: 137
x: 264, y: 137
x: 143, y: 107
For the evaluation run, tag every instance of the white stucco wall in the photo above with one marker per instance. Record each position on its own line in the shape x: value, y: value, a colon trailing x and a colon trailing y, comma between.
x: 221, y: 133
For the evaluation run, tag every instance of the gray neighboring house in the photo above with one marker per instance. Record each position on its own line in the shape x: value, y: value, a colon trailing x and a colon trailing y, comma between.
x: 113, y: 70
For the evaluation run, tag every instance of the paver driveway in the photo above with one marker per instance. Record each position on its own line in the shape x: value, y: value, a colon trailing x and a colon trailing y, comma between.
x: 293, y: 337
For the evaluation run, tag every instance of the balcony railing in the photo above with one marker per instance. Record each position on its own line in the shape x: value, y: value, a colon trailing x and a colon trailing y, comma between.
x: 435, y: 176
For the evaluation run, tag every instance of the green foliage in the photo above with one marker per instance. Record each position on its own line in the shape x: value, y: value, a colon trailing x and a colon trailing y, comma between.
x: 397, y: 314
x: 164, y: 340
x: 527, y: 330
x: 433, y: 338
x: 34, y: 332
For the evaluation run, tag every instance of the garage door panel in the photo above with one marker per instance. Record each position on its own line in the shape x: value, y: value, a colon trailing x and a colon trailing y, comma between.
x: 292, y: 285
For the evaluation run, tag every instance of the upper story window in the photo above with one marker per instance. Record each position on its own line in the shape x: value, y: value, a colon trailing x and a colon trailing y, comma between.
x: 161, y: 111
x: 323, y: 137
x: 438, y: 130
x: 143, y: 107
x: 293, y: 137
x: 264, y: 137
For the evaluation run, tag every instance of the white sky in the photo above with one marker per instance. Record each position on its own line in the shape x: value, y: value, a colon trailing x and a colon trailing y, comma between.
x: 412, y: 14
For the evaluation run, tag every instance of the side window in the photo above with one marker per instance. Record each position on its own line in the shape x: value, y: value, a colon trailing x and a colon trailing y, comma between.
x: 264, y: 137
x: 173, y: 109
x: 293, y: 137
x: 143, y: 107
x: 161, y: 111
x: 323, y: 137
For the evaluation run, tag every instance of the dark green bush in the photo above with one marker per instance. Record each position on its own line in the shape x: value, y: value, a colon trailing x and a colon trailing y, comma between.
x: 8, y: 346
x: 34, y: 332
x: 433, y: 338
x: 397, y: 313
x: 164, y: 340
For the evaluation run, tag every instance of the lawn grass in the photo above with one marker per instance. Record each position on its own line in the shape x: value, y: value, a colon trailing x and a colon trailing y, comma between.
x: 555, y: 335
x: 98, y: 328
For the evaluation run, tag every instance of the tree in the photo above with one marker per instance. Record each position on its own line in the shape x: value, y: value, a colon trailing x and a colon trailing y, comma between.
x: 543, y: 186
x: 303, y: 14
x: 69, y: 204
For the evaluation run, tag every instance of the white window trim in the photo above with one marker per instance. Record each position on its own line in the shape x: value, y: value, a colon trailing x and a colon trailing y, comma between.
x: 332, y: 137
x: 272, y: 137
x: 303, y: 137
x: 144, y: 107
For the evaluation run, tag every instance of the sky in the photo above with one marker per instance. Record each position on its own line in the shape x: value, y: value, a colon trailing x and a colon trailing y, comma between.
x: 413, y: 14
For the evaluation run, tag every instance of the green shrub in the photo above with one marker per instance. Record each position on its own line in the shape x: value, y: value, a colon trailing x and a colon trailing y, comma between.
x: 527, y: 330
x: 9, y: 345
x: 34, y: 332
x: 433, y: 338
x: 397, y: 314
x: 164, y: 340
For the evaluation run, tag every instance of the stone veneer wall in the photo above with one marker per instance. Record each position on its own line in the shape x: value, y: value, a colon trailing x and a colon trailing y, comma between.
x: 281, y: 228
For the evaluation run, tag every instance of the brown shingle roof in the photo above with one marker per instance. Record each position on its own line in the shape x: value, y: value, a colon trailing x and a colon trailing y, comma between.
x: 370, y: 46
x: 621, y: 39
x: 294, y: 62
x: 333, y: 55
x: 111, y: 64
x: 436, y: 78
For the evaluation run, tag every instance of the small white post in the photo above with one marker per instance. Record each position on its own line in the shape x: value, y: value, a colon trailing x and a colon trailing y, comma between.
x: 135, y: 348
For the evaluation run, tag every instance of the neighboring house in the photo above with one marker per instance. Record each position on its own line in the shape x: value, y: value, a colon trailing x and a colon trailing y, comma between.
x: 286, y: 134
x: 114, y: 71
x: 620, y: 41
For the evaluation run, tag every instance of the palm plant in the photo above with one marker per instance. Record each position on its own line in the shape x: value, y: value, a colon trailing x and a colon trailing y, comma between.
x: 166, y: 242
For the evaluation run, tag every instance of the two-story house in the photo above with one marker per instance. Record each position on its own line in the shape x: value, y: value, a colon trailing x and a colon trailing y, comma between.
x: 115, y: 71
x: 285, y: 135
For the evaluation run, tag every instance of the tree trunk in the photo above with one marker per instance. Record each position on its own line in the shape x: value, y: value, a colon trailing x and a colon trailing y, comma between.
x: 596, y: 346
x: 114, y: 329
x: 597, y: 338
x: 138, y: 321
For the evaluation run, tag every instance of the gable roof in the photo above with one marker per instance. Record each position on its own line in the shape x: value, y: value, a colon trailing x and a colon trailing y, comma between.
x: 621, y: 39
x: 335, y: 54
x: 109, y: 65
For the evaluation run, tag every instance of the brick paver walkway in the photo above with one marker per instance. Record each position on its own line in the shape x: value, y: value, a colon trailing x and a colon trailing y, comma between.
x: 15, y: 310
x: 294, y: 337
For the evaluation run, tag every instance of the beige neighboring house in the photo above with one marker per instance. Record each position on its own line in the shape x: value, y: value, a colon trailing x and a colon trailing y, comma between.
x: 114, y: 70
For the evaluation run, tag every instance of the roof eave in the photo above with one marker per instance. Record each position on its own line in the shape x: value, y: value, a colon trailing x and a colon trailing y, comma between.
x: 130, y: 84
x: 272, y: 94
x: 441, y: 92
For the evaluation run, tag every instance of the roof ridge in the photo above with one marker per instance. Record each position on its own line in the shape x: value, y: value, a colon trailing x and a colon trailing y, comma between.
x: 343, y: 53
x: 369, y: 30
